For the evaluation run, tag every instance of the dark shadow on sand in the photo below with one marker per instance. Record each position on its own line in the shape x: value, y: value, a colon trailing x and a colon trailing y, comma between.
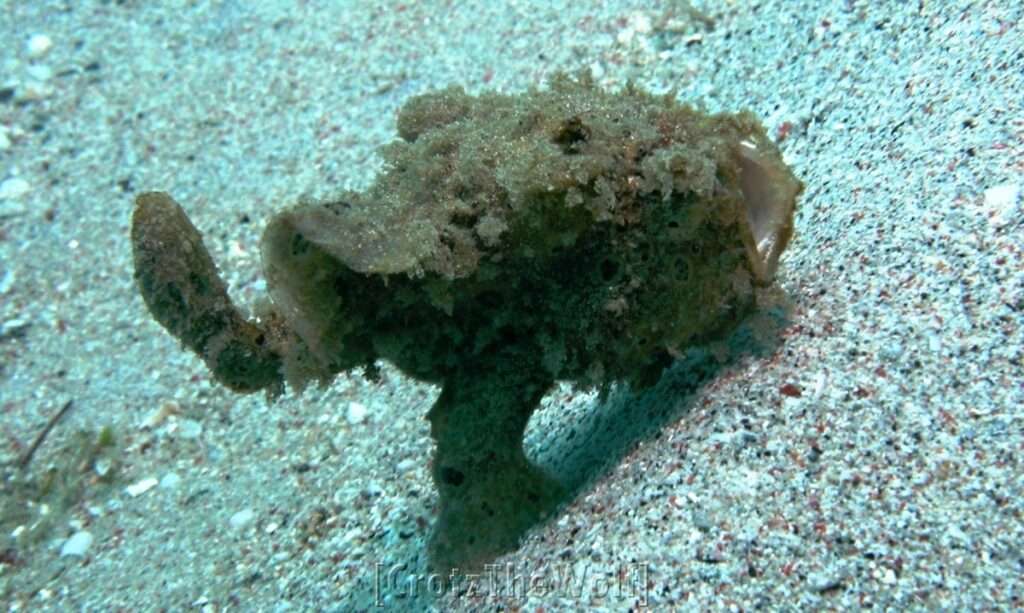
x: 581, y: 447
x: 581, y: 453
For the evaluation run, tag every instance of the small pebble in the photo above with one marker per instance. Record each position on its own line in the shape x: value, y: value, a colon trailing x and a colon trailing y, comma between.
x: 356, y: 413
x: 35, y: 91
x: 13, y: 327
x: 14, y: 188
x: 7, y: 281
x: 1001, y: 203
x: 189, y: 428
x: 891, y: 350
x: 38, y: 46
x: 158, y: 416
x: 242, y: 519
x: 141, y: 487
x: 823, y: 581
x: 103, y: 467
x: 77, y: 544
x: 40, y: 72
x: 170, y: 481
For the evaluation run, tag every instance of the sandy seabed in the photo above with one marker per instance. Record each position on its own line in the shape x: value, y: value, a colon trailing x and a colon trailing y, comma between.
x: 872, y: 459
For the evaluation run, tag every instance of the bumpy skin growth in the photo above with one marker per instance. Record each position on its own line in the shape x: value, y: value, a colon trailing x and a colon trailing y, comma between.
x: 511, y: 241
x: 186, y: 295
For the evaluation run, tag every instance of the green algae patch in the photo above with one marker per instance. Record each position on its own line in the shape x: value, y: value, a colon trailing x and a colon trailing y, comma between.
x: 510, y: 241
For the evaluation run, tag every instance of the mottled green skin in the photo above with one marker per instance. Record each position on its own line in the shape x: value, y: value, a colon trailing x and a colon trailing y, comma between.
x: 182, y: 289
x: 512, y: 241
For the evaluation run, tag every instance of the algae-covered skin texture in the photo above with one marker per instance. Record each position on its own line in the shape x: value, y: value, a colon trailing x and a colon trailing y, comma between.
x: 183, y: 291
x: 510, y: 241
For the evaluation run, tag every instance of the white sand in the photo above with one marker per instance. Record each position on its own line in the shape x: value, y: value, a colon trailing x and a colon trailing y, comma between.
x: 894, y: 480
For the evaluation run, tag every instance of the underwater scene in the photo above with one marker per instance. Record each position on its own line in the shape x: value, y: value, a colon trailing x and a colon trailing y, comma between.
x: 511, y: 306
